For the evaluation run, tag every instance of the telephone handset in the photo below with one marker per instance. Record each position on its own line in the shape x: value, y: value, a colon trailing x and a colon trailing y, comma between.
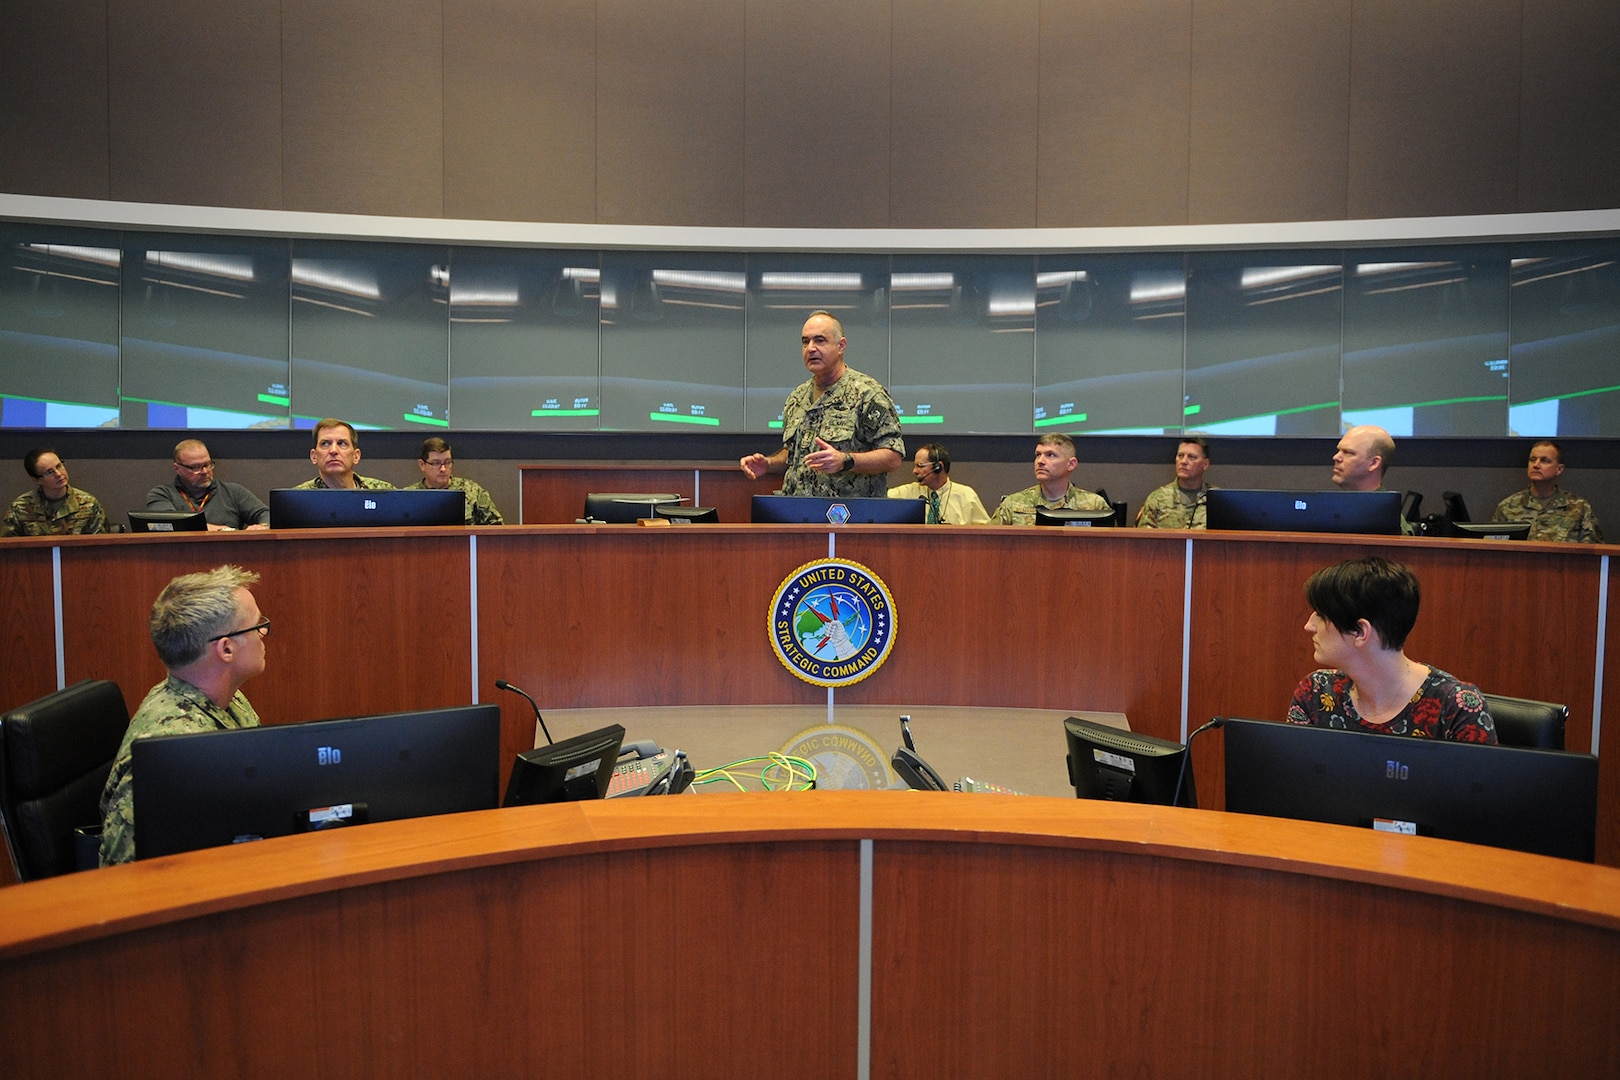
x: 916, y: 772
x: 645, y: 768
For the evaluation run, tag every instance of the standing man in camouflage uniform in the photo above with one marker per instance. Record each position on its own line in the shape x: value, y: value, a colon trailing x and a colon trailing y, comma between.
x: 336, y: 452
x: 1553, y: 513
x: 840, y: 431
x: 437, y: 464
x: 53, y: 508
x: 1180, y: 505
x: 1055, y: 462
x: 210, y: 635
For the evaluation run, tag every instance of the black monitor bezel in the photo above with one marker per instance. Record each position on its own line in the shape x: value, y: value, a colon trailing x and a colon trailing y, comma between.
x: 207, y: 789
x: 1540, y: 801
x: 342, y: 508
x: 1357, y: 513
x: 140, y: 521
x: 1480, y: 530
x: 626, y: 507
x: 1080, y: 519
x: 542, y: 775
x: 818, y: 510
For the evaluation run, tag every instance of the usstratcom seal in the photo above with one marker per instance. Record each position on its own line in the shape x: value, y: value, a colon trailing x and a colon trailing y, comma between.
x: 832, y: 622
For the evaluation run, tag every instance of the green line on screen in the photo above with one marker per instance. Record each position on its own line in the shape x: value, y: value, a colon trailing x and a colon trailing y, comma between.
x: 272, y: 399
x: 565, y: 412
x: 432, y: 420
x: 1071, y: 418
x: 1192, y: 410
x: 58, y: 401
x: 1454, y: 401
x: 930, y: 419
x: 680, y: 418
x: 777, y: 424
x: 1576, y: 394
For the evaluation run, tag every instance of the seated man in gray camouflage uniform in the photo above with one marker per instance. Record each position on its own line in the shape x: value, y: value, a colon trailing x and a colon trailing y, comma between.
x: 210, y: 635
x: 840, y: 430
x: 438, y: 462
x: 1055, y: 462
x: 1553, y: 513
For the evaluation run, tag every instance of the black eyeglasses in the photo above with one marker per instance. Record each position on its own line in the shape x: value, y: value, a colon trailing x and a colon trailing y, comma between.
x: 203, y: 466
x: 262, y: 626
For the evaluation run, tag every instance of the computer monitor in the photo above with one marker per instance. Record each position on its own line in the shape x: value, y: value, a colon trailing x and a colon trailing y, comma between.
x: 339, y: 508
x: 167, y: 521
x: 1082, y: 518
x: 813, y: 510
x: 1502, y: 530
x: 624, y: 507
x: 224, y: 787
x: 1374, y: 512
x: 1125, y: 766
x: 1540, y: 801
x: 567, y: 771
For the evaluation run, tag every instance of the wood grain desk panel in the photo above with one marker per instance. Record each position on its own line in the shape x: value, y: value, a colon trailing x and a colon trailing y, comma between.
x: 555, y: 494
x: 1007, y: 931
x: 27, y: 624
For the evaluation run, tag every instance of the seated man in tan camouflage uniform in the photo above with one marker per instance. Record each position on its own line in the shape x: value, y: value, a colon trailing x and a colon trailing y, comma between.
x: 1553, y: 513
x: 1055, y: 462
x: 53, y: 508
x: 210, y: 635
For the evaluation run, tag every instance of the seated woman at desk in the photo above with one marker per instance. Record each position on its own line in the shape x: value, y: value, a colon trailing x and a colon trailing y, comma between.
x: 1361, y: 612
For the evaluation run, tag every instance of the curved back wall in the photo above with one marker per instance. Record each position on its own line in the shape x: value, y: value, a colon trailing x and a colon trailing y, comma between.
x: 771, y: 113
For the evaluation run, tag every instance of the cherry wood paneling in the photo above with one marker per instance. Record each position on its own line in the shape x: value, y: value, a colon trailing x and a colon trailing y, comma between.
x: 596, y: 939
x: 1118, y: 965
x: 555, y: 494
x: 363, y: 622
x: 27, y: 625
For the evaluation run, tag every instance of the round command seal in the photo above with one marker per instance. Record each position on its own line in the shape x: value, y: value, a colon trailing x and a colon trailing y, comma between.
x: 832, y: 622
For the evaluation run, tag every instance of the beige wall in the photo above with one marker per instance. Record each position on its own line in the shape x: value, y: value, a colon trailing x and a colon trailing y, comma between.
x: 910, y: 114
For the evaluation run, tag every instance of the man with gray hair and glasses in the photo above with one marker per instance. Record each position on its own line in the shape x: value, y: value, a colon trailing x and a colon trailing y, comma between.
x: 210, y: 634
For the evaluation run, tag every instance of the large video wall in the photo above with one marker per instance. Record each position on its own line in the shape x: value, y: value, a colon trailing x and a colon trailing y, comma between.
x: 134, y: 329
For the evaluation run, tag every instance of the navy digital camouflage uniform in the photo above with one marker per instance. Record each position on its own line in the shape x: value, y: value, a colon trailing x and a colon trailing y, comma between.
x: 480, y: 505
x: 1560, y: 517
x: 172, y: 707
x: 1019, y: 507
x: 30, y: 515
x: 854, y: 414
x: 1165, y: 509
x: 364, y: 483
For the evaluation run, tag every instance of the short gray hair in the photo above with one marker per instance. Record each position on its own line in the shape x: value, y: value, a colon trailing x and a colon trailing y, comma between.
x: 193, y: 608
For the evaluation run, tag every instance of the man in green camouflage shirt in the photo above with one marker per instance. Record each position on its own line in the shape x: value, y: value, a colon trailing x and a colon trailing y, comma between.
x: 840, y: 430
x: 1055, y: 461
x: 53, y: 508
x: 437, y: 462
x: 1553, y: 513
x: 336, y: 452
x: 1181, y: 504
x: 209, y: 634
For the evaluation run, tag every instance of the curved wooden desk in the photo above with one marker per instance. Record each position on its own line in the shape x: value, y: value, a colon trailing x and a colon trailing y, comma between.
x: 723, y: 936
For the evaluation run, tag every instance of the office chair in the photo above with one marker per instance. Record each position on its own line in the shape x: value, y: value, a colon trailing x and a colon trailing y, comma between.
x: 55, y: 754
x: 1523, y: 722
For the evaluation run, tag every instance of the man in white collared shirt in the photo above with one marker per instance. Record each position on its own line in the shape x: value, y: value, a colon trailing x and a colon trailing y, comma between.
x: 949, y: 503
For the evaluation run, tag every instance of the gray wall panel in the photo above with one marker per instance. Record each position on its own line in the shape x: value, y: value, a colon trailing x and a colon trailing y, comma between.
x: 965, y: 93
x: 818, y: 134
x: 1569, y: 133
x: 363, y: 100
x: 53, y: 98
x: 520, y: 110
x: 670, y: 112
x: 1114, y: 113
x: 1269, y: 106
x: 1434, y: 118
x: 195, y: 102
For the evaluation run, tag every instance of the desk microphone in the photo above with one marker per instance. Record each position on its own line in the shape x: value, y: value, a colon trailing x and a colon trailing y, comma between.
x: 502, y: 684
x: 1186, y: 756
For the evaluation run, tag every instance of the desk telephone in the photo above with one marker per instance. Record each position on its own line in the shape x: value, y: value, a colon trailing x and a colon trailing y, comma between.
x: 645, y: 768
x: 920, y: 776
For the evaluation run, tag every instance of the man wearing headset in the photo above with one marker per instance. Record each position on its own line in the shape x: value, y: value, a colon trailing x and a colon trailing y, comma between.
x: 949, y: 503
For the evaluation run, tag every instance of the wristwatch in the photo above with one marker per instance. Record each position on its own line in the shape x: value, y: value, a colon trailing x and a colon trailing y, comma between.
x: 849, y: 463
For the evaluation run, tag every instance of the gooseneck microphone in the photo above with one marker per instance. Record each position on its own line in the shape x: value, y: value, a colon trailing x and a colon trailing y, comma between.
x: 1186, y: 757
x: 502, y: 684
